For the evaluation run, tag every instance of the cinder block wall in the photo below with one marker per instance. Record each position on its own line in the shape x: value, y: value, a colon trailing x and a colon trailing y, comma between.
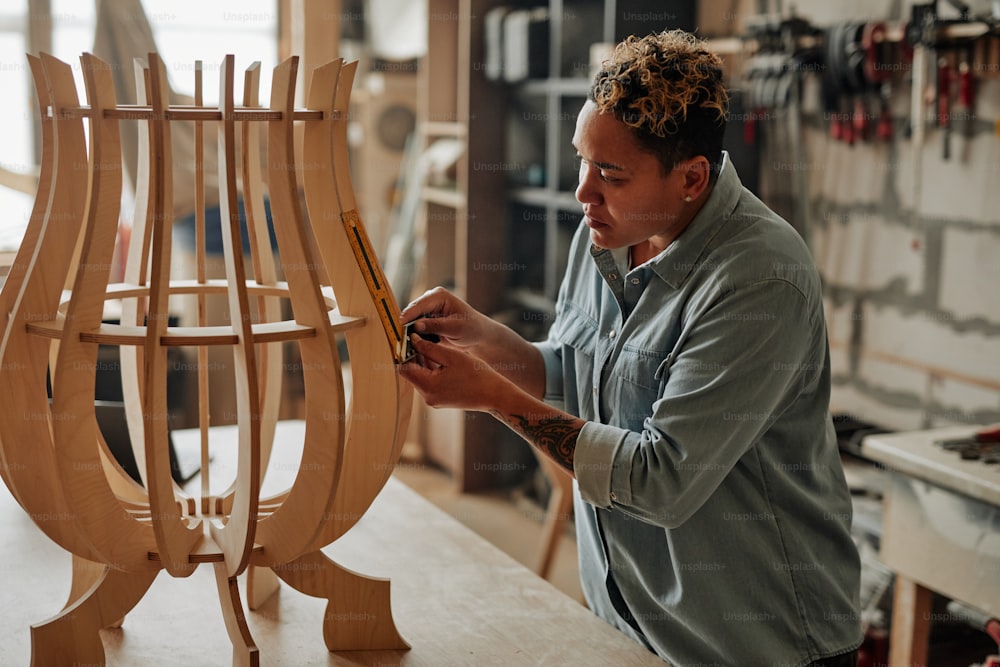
x: 912, y: 279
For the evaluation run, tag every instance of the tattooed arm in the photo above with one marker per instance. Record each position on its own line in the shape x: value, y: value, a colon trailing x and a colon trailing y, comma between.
x: 554, y: 434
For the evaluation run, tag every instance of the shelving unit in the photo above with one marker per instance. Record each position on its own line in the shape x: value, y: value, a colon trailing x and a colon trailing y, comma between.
x: 462, y: 224
x: 543, y: 210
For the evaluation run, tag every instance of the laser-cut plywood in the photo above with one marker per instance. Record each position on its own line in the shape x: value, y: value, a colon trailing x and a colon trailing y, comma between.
x: 53, y: 457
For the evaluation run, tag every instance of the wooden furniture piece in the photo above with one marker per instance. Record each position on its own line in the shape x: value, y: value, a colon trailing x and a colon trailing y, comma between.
x: 53, y: 457
x: 458, y: 599
x: 939, y: 532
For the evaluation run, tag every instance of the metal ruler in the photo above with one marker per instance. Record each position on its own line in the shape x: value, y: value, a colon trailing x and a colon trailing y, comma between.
x: 378, y: 286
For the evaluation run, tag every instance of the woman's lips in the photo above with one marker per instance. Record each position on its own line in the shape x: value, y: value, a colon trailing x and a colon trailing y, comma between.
x: 593, y: 222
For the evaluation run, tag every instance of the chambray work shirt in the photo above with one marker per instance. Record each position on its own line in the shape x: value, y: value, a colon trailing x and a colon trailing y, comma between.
x: 713, y: 518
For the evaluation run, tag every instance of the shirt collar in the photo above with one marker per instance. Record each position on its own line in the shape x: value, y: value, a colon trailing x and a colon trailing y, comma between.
x: 677, y: 262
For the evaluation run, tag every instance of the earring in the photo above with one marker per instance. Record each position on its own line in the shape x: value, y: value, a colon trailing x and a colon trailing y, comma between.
x: 687, y: 198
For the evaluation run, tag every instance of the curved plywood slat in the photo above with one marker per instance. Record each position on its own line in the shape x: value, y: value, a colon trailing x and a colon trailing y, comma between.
x: 291, y: 527
x: 14, y: 281
x: 201, y: 274
x: 96, y: 509
x: 236, y: 538
x: 265, y: 273
x: 175, y: 538
x: 404, y: 391
x: 29, y: 454
x: 113, y: 594
x: 136, y: 273
x: 245, y: 651
x: 316, y: 575
x: 375, y: 386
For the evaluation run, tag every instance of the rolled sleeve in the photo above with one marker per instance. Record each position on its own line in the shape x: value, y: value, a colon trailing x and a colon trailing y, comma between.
x: 554, y: 383
x: 596, y: 465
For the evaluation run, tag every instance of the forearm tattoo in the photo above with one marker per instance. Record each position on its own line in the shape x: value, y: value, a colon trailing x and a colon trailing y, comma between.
x: 555, y: 436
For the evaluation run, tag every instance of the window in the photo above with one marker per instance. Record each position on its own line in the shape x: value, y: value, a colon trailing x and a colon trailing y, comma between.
x: 184, y: 30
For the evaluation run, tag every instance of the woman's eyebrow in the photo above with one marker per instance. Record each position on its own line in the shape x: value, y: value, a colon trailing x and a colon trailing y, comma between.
x: 606, y: 166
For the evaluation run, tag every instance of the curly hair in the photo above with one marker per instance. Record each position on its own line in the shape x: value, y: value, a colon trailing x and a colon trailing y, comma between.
x: 668, y: 88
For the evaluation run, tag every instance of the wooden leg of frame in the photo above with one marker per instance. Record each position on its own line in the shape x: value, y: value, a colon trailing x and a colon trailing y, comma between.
x: 358, y: 612
x: 262, y: 583
x: 72, y: 637
x: 245, y: 653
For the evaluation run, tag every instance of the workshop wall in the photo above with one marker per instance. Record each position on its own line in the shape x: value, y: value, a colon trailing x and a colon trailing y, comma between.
x: 911, y: 279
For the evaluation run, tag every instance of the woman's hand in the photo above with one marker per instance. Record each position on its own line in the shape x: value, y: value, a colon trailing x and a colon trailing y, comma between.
x: 448, y: 377
x: 440, y: 313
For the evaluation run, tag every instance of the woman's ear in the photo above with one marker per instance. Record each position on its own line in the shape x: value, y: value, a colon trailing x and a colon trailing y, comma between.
x: 697, y: 175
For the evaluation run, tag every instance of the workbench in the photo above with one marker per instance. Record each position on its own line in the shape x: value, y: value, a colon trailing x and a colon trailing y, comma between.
x: 456, y: 598
x: 940, y: 532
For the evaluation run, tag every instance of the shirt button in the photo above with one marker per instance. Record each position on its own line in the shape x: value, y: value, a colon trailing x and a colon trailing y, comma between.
x: 611, y: 334
x: 614, y: 496
x: 612, y: 276
x: 635, y: 281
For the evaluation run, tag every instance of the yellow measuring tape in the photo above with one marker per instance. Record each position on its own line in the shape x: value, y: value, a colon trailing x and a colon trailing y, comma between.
x: 378, y: 286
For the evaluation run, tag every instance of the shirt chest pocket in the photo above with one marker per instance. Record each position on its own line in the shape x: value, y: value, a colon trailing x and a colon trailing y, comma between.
x: 646, y: 369
x: 636, y: 383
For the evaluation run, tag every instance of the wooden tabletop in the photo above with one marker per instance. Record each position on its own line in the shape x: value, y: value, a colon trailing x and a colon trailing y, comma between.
x: 457, y: 599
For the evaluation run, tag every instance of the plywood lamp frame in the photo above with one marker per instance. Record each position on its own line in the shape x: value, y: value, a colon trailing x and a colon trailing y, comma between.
x: 53, y: 456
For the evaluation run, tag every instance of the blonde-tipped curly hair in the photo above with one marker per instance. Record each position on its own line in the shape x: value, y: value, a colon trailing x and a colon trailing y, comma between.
x: 669, y: 89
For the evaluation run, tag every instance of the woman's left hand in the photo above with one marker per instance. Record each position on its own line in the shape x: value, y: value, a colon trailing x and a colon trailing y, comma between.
x: 447, y: 376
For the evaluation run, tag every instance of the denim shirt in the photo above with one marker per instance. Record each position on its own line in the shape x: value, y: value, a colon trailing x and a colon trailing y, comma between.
x: 713, y: 517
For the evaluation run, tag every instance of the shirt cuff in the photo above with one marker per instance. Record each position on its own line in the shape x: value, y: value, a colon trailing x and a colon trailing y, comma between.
x: 553, y: 374
x: 595, y: 461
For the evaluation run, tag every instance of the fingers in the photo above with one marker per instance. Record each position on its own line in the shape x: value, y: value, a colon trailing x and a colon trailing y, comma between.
x: 431, y: 354
x: 430, y: 303
x: 434, y: 328
x: 427, y: 372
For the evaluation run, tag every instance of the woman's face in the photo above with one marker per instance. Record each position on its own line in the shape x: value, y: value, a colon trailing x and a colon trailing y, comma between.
x: 627, y: 198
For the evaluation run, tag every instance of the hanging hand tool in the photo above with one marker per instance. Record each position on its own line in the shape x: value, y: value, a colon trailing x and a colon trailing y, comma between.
x: 878, y: 73
x: 965, y: 105
x: 944, y: 78
x: 922, y: 35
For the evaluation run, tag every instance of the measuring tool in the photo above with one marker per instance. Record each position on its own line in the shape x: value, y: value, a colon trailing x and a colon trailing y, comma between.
x: 378, y: 286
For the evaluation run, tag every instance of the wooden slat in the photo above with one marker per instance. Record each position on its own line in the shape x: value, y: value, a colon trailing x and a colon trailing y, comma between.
x: 236, y: 537
x: 373, y: 443
x: 133, y: 312
x: 83, y: 475
x: 183, y: 113
x: 264, y: 270
x: 174, y: 537
x: 26, y: 449
x: 289, y: 530
x: 265, y: 332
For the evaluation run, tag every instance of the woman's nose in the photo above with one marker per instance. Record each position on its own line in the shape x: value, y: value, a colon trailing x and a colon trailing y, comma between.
x: 586, y: 190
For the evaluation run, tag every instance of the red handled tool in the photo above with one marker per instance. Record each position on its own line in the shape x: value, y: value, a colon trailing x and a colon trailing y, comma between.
x: 944, y: 104
x: 966, y: 101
